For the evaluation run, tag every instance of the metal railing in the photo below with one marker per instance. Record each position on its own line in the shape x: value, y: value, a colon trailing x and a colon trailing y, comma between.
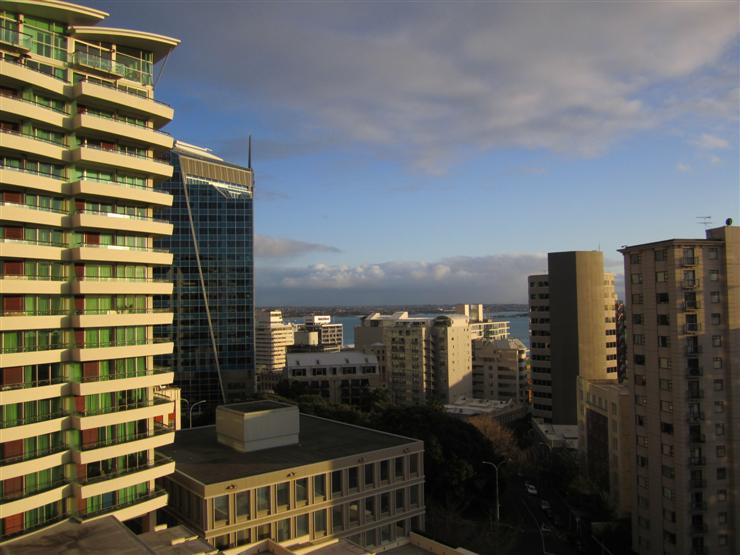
x: 39, y: 488
x: 33, y: 454
x: 121, y: 247
x: 61, y: 143
x: 126, y: 375
x: 6, y: 94
x: 123, y: 504
x: 117, y: 119
x: 15, y: 38
x: 21, y: 62
x: 159, y: 460
x: 158, y: 430
x: 122, y: 216
x: 59, y: 177
x: 14, y: 422
x: 121, y: 408
x: 33, y: 207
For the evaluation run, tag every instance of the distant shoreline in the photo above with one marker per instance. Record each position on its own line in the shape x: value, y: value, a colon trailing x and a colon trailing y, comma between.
x: 362, y: 310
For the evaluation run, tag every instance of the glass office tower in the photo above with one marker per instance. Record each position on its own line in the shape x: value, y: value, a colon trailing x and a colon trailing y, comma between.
x: 213, y: 298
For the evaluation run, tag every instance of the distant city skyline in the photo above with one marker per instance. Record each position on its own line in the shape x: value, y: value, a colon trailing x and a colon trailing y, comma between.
x: 426, y: 152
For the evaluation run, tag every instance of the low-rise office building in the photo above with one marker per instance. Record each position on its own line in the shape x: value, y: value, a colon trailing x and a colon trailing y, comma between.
x: 272, y: 338
x: 345, y: 377
x: 264, y: 471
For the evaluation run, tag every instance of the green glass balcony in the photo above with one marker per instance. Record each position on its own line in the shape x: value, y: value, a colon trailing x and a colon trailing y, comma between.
x: 15, y: 38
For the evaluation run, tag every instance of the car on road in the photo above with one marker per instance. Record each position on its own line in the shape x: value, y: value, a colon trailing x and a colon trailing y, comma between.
x: 530, y: 489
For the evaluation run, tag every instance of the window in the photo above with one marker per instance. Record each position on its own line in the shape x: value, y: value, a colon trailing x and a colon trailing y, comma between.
x: 666, y: 428
x: 337, y: 518
x: 385, y: 503
x: 713, y: 275
x: 716, y: 341
x: 301, y: 525
x: 353, y: 478
x: 722, y: 518
x: 666, y: 385
x: 282, y: 492
x: 721, y: 495
x: 221, y: 509
x: 319, y: 523
x: 721, y: 473
x: 369, y: 474
x: 663, y: 319
x: 664, y: 341
x: 666, y: 406
x: 721, y: 451
x: 336, y: 483
x: 639, y: 359
x: 263, y: 500
x: 719, y: 385
x: 714, y: 297
x: 354, y: 513
x: 400, y: 500
x: 638, y: 339
x: 637, y: 319
x: 414, y: 496
x: 242, y: 504
x: 667, y: 493
x: 263, y: 532
x: 369, y: 509
x: 319, y: 487
x: 283, y: 530
x: 716, y: 319
x: 243, y: 536
x: 634, y: 259
x: 661, y: 298
x: 664, y: 362
x: 719, y: 406
x: 301, y: 492
x: 717, y: 362
x: 719, y: 430
x: 637, y: 298
x: 636, y: 279
x: 661, y: 255
x: 384, y: 471
x: 661, y: 277
x: 398, y: 465
x: 414, y: 464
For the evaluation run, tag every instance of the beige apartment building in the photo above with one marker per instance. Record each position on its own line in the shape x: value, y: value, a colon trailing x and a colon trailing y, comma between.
x: 264, y: 471
x: 501, y: 370
x: 420, y: 358
x: 572, y: 331
x: 81, y: 154
x: 606, y: 437
x: 480, y: 327
x: 317, y: 334
x: 346, y: 377
x: 683, y: 318
x: 272, y: 338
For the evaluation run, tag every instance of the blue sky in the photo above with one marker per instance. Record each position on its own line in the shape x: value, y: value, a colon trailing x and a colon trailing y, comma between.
x: 434, y: 152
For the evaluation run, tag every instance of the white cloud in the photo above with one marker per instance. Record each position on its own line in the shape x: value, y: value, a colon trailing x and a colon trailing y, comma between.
x: 682, y: 167
x: 276, y: 247
x: 711, y: 142
x: 715, y: 160
x: 427, y: 81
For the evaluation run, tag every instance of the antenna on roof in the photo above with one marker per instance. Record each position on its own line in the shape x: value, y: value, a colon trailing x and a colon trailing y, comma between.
x: 249, y: 153
x: 706, y: 221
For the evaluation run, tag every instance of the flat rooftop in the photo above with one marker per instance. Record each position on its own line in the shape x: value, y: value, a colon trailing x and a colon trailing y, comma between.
x: 256, y: 406
x: 198, y: 453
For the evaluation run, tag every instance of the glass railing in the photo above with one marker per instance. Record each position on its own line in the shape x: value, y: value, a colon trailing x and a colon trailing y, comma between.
x: 158, y: 430
x: 122, y: 343
x: 125, y: 216
x: 37, y: 312
x: 33, y: 242
x: 38, y: 488
x: 159, y: 460
x: 114, y: 182
x: 116, y: 311
x: 123, y: 247
x: 34, y: 277
x: 126, y: 90
x: 94, y: 61
x: 59, y: 176
x: 34, y: 207
x: 22, y: 62
x: 118, y: 278
x: 125, y: 69
x: 34, y: 383
x: 127, y: 375
x: 124, y: 122
x: 13, y: 422
x: 122, y: 408
x: 33, y: 454
x: 36, y: 347
x: 6, y: 94
x: 15, y: 38
x: 122, y: 504
x: 55, y: 142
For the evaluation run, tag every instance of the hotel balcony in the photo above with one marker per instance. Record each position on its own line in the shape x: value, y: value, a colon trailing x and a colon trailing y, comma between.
x: 98, y: 451
x: 28, y: 109
x: 117, y: 382
x: 34, y: 461
x: 119, y: 159
x: 120, y: 222
x: 33, y: 354
x: 22, y: 248
x: 22, y: 428
x: 121, y: 286
x: 12, y: 212
x: 21, y: 321
x: 31, y: 285
x: 32, y: 77
x: 31, y: 180
x: 119, y: 253
x: 28, y: 144
x: 149, y: 347
x: 120, y: 191
x: 115, y: 129
x: 124, y: 317
x: 14, y: 39
x: 87, y: 420
x: 134, y: 508
x: 161, y: 466
x: 26, y: 501
x: 24, y: 392
x: 159, y: 112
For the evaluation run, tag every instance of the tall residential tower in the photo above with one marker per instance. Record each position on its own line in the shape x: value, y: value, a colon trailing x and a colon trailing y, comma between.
x: 572, y: 324
x: 683, y: 316
x: 81, y: 155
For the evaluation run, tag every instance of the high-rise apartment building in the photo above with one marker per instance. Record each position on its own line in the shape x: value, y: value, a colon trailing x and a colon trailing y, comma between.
x: 683, y: 318
x: 501, y: 370
x: 81, y: 156
x: 272, y: 337
x: 572, y: 324
x: 213, y: 298
x: 422, y: 358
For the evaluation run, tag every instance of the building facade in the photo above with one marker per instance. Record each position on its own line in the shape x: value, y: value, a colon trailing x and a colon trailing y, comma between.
x: 606, y: 437
x: 683, y: 318
x: 81, y: 160
x: 317, y: 334
x: 272, y: 337
x: 501, y: 370
x: 572, y: 331
x: 213, y: 298
x: 294, y: 479
x: 346, y: 377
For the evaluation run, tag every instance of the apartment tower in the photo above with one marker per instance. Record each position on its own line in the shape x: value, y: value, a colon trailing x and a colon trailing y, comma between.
x: 81, y: 155
x: 273, y: 336
x: 683, y: 318
x: 572, y: 331
x: 213, y: 298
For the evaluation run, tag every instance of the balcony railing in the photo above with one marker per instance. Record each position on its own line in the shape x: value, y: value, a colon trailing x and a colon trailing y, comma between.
x: 158, y: 430
x: 117, y: 278
x: 54, y: 142
x: 21, y: 62
x: 60, y: 176
x: 122, y: 408
x: 695, y: 416
x: 690, y: 305
x: 15, y: 38
x: 34, y: 454
x: 126, y: 90
x: 690, y: 283
x: 697, y: 483
x: 693, y: 350
x: 117, y: 119
x: 53, y: 346
x: 695, y: 394
x: 34, y: 277
x: 122, y: 343
x: 692, y: 327
x: 37, y: 312
x: 14, y: 422
x: 115, y: 215
x: 39, y: 488
x: 6, y: 94
x: 34, y: 207
x: 28, y: 529
x: 123, y: 504
x: 696, y: 372
x: 36, y: 383
x: 33, y: 242
x: 126, y: 375
x: 697, y: 461
x: 123, y: 247
x: 697, y: 438
x: 159, y: 460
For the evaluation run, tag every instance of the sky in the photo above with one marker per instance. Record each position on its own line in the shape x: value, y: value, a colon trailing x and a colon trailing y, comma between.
x: 434, y: 152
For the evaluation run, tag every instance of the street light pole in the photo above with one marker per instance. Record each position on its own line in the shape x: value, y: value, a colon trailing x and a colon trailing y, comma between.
x: 498, y: 503
x: 191, y: 411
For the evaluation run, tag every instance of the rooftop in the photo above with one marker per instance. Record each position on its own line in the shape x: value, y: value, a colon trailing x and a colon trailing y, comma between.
x: 199, y: 455
x: 329, y: 359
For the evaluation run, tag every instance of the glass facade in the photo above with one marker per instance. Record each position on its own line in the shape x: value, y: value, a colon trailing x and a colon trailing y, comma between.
x: 213, y: 300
